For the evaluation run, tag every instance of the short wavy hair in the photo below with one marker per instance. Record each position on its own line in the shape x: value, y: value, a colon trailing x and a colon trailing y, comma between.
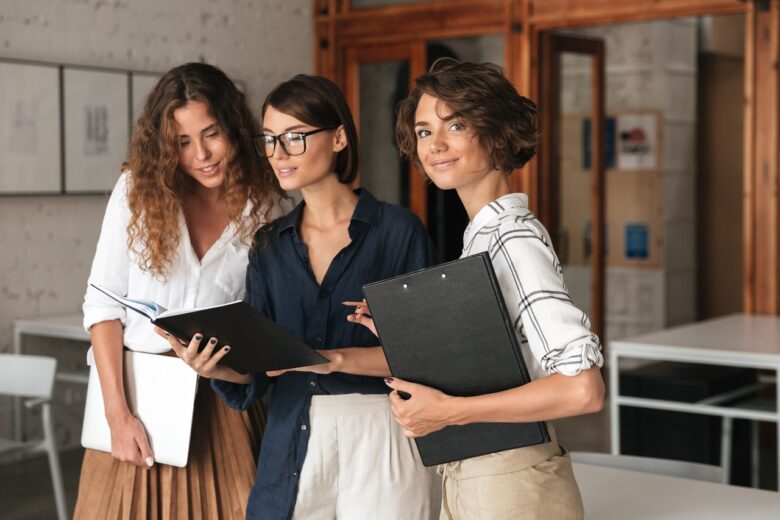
x: 157, y: 183
x: 479, y: 95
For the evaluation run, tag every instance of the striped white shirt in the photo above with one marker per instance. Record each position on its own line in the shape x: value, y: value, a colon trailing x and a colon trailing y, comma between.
x: 555, y: 335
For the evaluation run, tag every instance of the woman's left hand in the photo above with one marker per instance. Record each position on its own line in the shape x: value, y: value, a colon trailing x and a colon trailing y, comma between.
x: 334, y: 363
x: 427, y: 410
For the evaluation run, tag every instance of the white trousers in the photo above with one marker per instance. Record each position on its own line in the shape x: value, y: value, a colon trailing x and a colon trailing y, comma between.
x: 359, y: 465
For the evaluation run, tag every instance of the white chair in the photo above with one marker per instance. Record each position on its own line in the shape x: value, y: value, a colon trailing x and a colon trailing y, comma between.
x: 33, y: 377
x: 672, y: 468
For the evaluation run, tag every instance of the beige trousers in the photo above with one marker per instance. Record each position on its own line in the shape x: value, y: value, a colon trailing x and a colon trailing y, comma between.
x: 359, y: 465
x: 535, y: 482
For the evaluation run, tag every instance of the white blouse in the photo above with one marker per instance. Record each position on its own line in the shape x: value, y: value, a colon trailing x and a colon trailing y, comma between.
x: 555, y: 335
x: 215, y: 279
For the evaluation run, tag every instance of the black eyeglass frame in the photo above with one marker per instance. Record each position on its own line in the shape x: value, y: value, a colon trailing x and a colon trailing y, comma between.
x: 260, y: 144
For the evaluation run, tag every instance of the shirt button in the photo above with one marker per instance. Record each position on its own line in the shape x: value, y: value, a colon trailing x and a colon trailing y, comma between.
x: 303, y: 427
x: 295, y: 473
x: 318, y: 339
x: 313, y: 383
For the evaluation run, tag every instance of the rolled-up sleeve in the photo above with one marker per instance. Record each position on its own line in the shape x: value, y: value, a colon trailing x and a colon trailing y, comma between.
x: 110, y: 266
x: 240, y: 396
x: 531, y: 280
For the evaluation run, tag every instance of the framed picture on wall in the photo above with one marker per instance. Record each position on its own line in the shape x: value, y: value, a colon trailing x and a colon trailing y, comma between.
x: 141, y: 83
x: 30, y: 144
x: 637, y: 141
x: 96, y: 114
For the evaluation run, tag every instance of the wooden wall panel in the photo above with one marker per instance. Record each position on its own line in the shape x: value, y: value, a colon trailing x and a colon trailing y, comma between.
x: 431, y: 19
x: 570, y: 13
x: 325, y: 61
x: 762, y: 169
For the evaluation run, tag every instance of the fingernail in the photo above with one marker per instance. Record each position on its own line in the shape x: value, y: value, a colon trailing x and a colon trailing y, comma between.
x: 149, y: 461
x: 198, y: 337
x: 227, y: 348
x: 213, y: 341
x: 388, y: 380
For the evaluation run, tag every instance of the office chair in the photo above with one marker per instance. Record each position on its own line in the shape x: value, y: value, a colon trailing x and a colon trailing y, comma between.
x: 33, y: 377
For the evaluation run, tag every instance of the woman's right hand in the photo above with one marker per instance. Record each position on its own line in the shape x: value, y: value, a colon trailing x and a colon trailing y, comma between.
x: 129, y: 442
x: 205, y: 361
x: 362, y: 316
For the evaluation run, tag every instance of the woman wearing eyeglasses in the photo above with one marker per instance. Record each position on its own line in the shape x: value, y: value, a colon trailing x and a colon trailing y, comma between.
x: 331, y: 448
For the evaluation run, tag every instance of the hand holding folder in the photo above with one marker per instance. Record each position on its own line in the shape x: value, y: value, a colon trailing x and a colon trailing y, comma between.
x: 447, y: 327
x: 258, y: 344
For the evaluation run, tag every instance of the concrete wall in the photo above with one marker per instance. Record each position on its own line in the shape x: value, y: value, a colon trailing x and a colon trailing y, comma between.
x: 650, y: 66
x: 49, y: 241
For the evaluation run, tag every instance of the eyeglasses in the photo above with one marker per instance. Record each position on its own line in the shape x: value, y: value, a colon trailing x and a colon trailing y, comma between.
x: 293, y: 143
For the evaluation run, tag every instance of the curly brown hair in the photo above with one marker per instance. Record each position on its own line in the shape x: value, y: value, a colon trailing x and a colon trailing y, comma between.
x: 480, y: 95
x: 156, y: 182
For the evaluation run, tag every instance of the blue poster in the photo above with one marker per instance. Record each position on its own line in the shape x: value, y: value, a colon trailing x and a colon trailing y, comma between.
x: 609, y: 143
x: 637, y: 241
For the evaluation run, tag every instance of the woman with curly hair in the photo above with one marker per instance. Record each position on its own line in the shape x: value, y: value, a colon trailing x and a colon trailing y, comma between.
x: 177, y: 230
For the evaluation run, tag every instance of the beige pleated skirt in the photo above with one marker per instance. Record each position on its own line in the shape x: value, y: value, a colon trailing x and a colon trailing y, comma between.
x: 215, y: 484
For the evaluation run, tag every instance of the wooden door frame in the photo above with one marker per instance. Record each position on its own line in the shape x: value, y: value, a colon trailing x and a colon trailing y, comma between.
x: 353, y: 57
x: 522, y: 21
x: 553, y: 45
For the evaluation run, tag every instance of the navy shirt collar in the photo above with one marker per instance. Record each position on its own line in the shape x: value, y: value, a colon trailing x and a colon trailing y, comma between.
x: 367, y: 210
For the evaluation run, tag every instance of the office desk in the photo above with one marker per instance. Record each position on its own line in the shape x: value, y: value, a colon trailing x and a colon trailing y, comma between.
x: 739, y: 340
x: 65, y: 326
x: 619, y: 494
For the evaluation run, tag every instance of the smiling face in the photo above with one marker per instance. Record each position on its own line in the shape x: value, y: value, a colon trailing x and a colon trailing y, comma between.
x: 449, y: 151
x: 204, y: 149
x: 315, y: 164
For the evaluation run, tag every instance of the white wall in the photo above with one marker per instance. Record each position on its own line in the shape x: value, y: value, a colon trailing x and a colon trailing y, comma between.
x: 48, y: 242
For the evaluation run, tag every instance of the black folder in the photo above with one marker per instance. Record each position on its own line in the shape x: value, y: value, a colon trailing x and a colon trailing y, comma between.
x: 448, y: 327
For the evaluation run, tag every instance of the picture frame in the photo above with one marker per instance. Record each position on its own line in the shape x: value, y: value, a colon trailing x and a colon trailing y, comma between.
x: 30, y: 120
x: 96, y: 114
x: 141, y: 84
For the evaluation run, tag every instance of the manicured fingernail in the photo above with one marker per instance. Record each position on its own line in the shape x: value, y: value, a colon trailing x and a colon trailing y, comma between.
x: 227, y: 348
x: 213, y: 341
x: 388, y: 380
x: 149, y: 461
x: 198, y: 337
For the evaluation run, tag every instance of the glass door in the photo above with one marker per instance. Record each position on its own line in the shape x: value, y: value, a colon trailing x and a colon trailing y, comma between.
x: 571, y: 159
x: 376, y: 78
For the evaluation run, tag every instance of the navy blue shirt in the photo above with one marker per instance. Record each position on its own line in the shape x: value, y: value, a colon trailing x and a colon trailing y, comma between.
x: 386, y: 241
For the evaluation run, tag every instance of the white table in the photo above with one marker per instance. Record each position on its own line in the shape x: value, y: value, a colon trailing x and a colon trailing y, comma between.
x: 738, y: 340
x: 610, y: 493
x: 65, y: 326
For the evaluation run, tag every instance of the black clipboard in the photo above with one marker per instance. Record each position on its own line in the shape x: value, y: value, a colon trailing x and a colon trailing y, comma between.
x: 448, y: 327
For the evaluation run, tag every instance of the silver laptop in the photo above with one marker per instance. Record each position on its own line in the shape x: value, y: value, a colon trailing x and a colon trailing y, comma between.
x: 161, y: 393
